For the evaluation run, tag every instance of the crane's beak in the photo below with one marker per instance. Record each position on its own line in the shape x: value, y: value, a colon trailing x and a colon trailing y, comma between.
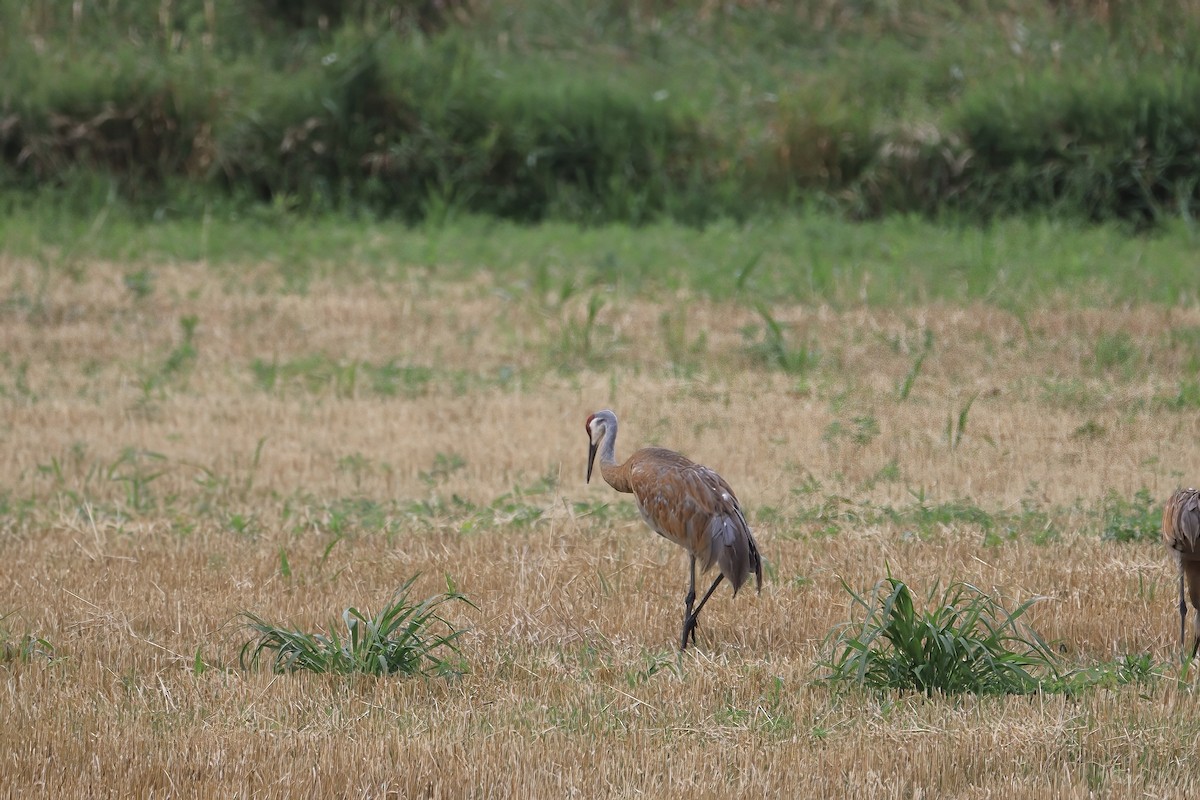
x: 592, y: 448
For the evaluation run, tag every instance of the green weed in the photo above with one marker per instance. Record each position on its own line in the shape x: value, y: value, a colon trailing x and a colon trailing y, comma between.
x: 1134, y: 520
x: 140, y: 283
x: 16, y: 515
x: 1187, y: 398
x: 746, y: 270
x: 1188, y: 340
x: 342, y: 517
x: 929, y: 519
x: 219, y: 488
x: 906, y: 386
x: 357, y: 466
x: 23, y: 648
x: 1115, y: 351
x: 606, y: 512
x: 18, y: 387
x: 577, y: 344
x: 1136, y: 669
x: 1071, y: 393
x: 773, y: 349
x: 391, y: 379
x: 321, y: 373
x: 182, y: 357
x: 653, y: 664
x: 199, y: 665
x: 508, y: 510
x: 174, y: 368
x: 921, y: 519
x: 404, y: 638
x: 137, y: 470
x: 444, y: 465
x: 1090, y: 430
x: 966, y: 642
x: 956, y: 430
x: 243, y: 524
x: 861, y: 430
x: 888, y: 473
x: 833, y: 509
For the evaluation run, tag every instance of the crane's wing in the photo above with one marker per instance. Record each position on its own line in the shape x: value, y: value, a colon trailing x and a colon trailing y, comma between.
x: 1181, y: 524
x: 694, y: 507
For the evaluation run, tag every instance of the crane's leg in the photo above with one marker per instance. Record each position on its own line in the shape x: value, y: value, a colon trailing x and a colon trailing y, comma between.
x: 687, y: 604
x: 1182, y: 617
x: 1193, y: 581
x: 689, y: 622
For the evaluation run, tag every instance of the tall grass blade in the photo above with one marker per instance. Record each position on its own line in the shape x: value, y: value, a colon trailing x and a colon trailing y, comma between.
x: 747, y: 270
x: 915, y: 369
x: 962, y: 420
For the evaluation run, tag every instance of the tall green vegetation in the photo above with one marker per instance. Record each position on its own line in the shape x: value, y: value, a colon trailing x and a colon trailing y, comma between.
x: 966, y: 642
x: 612, y: 111
x: 404, y: 638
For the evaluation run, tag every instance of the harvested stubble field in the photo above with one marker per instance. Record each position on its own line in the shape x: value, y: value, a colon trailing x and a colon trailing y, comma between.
x: 185, y: 442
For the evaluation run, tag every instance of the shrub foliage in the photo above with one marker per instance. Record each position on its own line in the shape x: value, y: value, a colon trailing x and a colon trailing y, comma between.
x: 420, y: 108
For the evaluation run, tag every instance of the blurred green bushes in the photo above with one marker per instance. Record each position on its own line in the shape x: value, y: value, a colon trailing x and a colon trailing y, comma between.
x: 611, y: 111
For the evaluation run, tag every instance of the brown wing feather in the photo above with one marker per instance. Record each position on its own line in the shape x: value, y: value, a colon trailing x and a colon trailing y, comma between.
x: 694, y: 507
x: 1181, y: 524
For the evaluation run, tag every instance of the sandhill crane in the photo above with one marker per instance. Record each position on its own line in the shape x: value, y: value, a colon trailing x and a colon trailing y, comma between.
x: 1181, y: 534
x: 685, y: 502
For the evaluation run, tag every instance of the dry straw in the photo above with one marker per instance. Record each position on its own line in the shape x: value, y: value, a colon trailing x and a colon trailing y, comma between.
x: 154, y: 487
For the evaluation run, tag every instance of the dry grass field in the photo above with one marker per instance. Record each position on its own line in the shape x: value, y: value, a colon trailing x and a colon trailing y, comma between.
x: 184, y: 442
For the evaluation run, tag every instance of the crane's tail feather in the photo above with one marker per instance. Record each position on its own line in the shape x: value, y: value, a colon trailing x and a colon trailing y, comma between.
x: 1191, y: 571
x: 733, y: 549
x: 756, y: 561
x: 1189, y: 518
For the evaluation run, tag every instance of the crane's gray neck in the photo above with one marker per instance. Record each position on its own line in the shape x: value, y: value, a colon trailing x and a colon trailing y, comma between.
x: 608, y: 445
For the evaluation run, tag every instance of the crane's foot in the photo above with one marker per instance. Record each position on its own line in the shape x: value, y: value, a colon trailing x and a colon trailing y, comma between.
x: 689, y: 629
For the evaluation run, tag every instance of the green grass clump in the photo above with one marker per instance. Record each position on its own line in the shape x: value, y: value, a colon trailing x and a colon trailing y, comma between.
x: 398, y: 640
x: 1188, y: 397
x: 23, y: 648
x: 967, y: 642
x: 1115, y: 351
x: 1134, y: 520
x: 774, y: 350
x: 1139, y: 669
x: 319, y: 373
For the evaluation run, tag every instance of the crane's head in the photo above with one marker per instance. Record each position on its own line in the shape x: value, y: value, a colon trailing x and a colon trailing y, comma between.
x: 598, y: 426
